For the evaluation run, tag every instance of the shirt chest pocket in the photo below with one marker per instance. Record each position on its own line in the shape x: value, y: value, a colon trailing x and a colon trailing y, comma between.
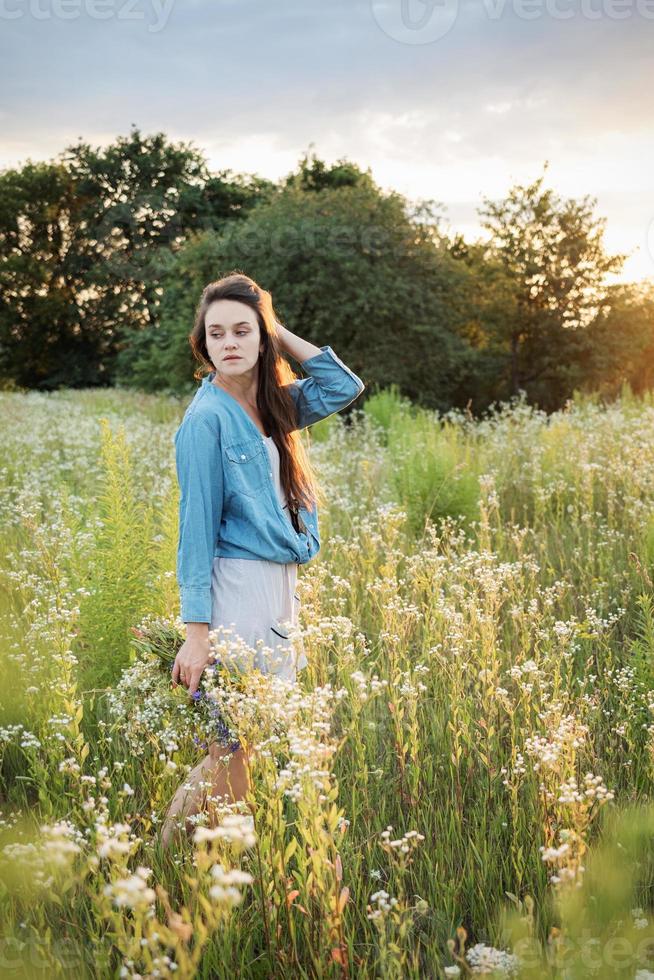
x: 245, y: 467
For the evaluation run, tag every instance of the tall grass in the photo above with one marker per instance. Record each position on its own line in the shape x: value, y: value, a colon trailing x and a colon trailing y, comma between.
x: 463, y: 781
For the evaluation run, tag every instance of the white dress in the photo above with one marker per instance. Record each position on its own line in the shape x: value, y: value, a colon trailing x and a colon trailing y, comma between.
x: 256, y: 598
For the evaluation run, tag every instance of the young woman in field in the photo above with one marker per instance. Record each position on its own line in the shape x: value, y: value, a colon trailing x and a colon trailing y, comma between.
x: 248, y: 500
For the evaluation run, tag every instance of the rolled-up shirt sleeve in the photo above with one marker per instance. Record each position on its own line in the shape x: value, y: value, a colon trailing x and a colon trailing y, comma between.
x: 199, y: 472
x: 330, y: 387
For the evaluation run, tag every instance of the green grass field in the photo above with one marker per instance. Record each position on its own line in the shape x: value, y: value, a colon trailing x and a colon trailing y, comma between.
x: 460, y: 782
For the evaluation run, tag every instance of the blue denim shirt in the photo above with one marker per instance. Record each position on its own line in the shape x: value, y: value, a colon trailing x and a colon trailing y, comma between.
x: 228, y: 505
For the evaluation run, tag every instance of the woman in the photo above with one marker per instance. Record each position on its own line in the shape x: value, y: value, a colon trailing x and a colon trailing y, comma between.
x: 248, y: 499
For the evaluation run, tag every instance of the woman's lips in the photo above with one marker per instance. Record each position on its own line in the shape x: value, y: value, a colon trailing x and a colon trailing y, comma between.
x: 235, y: 358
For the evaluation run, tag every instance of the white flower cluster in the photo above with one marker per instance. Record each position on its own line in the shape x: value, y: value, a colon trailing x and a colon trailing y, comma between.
x: 367, y: 686
x: 70, y: 765
x: 594, y: 790
x: 410, y: 689
x: 54, y: 852
x: 488, y: 489
x: 11, y: 733
x: 485, y: 959
x: 568, y: 876
x: 569, y: 733
x: 132, y: 892
x: 141, y: 703
x: 554, y: 854
x: 624, y: 678
x: 640, y: 919
x: 292, y: 779
x: 384, y: 904
x: 596, y: 626
x: 234, y: 828
x: 558, y: 856
x: 115, y: 840
x: 404, y: 844
x: 226, y: 890
x: 519, y: 769
x: 526, y: 675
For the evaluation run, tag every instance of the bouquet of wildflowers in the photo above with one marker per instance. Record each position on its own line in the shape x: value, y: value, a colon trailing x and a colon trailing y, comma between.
x: 235, y: 698
x: 159, y: 636
x: 159, y: 639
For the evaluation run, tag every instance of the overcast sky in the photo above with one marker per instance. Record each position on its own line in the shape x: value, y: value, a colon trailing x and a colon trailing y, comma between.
x: 445, y: 100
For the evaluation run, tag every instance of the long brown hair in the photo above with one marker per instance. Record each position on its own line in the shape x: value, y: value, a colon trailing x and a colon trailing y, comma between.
x: 276, y: 406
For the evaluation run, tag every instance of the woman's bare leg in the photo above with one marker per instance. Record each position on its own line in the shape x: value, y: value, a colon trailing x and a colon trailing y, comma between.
x: 228, y: 780
x: 188, y: 798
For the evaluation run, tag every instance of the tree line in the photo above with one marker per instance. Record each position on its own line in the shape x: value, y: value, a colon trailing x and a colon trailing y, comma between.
x: 105, y: 253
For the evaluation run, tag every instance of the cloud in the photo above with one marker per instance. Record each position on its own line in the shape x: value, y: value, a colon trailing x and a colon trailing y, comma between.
x: 254, y: 83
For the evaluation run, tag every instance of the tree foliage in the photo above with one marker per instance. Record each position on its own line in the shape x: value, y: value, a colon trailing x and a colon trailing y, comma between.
x: 85, y: 240
x: 549, y: 268
x: 106, y: 251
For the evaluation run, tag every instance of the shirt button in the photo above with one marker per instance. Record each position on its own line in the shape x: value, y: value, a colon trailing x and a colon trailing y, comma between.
x: 242, y: 455
x: 269, y: 472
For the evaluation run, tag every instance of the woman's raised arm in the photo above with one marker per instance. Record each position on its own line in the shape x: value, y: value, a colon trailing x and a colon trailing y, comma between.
x: 331, y: 385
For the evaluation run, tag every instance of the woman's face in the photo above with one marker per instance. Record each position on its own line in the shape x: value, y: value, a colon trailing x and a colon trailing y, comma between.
x: 232, y: 331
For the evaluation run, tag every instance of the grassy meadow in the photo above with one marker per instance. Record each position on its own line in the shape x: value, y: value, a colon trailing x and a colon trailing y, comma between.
x: 458, y: 785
